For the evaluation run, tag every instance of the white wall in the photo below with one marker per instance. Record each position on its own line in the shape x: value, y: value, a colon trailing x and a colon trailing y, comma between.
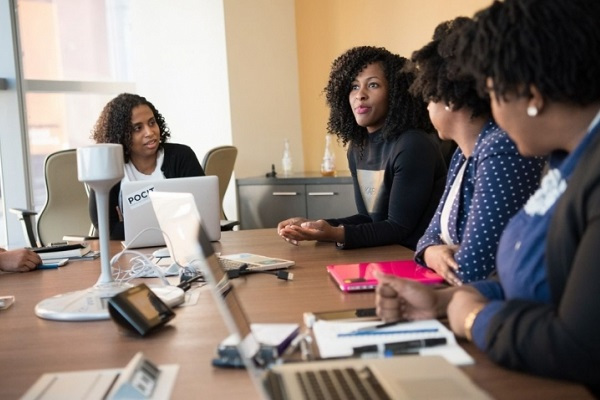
x: 180, y: 65
x: 222, y: 72
x: 263, y: 79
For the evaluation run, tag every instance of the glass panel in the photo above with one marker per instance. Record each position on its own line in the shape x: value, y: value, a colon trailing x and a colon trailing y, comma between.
x: 75, y: 40
x: 58, y: 121
x: 3, y: 240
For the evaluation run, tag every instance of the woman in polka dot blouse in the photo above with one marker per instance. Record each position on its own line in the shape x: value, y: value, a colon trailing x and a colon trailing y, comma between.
x: 488, y: 180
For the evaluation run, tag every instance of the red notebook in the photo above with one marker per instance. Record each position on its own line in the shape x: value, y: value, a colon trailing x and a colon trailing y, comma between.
x: 354, y: 277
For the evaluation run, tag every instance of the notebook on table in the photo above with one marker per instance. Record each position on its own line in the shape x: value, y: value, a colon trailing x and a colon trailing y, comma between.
x: 356, y: 277
x: 179, y: 219
x: 403, y: 377
x: 138, y: 214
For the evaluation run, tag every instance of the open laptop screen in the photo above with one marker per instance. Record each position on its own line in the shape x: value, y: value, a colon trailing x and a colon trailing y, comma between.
x: 229, y: 303
x: 140, y: 223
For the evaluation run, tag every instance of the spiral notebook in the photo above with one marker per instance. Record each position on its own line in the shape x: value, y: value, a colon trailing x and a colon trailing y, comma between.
x: 356, y: 277
x: 338, y: 339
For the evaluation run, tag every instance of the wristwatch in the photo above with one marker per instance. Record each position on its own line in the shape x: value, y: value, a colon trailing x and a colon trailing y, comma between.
x: 470, y: 320
x: 340, y: 245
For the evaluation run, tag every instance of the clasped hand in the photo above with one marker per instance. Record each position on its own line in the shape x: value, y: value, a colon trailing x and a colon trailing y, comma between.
x: 294, y: 230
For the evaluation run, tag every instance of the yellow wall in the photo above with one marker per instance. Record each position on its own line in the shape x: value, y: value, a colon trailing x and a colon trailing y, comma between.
x: 325, y: 29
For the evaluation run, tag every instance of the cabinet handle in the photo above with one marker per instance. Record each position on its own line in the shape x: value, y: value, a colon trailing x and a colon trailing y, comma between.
x: 285, y: 193
x: 321, y: 193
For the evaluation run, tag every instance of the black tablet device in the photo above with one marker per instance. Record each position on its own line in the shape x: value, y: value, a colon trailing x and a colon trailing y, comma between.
x: 139, y: 309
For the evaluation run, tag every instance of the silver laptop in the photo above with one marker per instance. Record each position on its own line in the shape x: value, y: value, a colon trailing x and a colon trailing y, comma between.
x: 400, y: 377
x: 179, y: 219
x: 140, y: 223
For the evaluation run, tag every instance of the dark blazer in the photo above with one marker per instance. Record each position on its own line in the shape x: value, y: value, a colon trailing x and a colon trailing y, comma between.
x: 561, y: 339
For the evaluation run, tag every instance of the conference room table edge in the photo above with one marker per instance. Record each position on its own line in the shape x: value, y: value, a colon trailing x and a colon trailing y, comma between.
x: 31, y: 346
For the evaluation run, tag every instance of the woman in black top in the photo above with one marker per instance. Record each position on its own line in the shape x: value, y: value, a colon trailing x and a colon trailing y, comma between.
x: 396, y: 163
x: 134, y: 122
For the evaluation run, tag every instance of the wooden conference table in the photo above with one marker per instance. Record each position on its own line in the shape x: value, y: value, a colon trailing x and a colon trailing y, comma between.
x: 30, y: 346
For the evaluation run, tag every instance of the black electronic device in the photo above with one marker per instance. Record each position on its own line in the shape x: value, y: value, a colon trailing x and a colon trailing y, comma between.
x: 139, y: 309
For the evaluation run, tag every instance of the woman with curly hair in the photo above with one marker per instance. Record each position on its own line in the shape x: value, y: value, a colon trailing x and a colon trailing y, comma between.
x: 134, y: 122
x: 395, y: 160
x: 461, y: 240
x: 542, y: 315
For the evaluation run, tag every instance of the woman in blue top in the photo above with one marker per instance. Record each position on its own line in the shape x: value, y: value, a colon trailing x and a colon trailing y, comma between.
x: 488, y: 180
x: 542, y: 314
x: 396, y: 164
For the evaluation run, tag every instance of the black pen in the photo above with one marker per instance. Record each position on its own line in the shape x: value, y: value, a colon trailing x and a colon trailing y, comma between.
x: 374, y: 327
x: 391, y: 349
x: 409, y: 346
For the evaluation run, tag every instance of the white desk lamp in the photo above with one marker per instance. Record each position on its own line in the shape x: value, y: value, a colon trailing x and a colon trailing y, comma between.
x: 100, y: 166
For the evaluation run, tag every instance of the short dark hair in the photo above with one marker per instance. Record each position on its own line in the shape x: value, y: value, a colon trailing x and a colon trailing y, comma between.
x: 114, y: 123
x: 438, y: 76
x: 404, y: 111
x: 551, y: 44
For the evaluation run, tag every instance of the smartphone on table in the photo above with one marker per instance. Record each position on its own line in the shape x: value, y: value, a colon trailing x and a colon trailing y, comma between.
x: 53, y: 263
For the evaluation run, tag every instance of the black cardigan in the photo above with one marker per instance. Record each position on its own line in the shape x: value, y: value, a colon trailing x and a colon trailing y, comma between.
x: 179, y: 161
x: 562, y: 339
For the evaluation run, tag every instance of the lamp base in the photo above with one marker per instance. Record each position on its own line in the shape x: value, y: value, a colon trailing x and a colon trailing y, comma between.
x: 90, y: 304
x: 82, y: 305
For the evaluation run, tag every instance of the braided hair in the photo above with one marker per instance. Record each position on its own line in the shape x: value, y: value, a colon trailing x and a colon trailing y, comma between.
x: 551, y: 44
x: 114, y: 123
x: 404, y: 110
x: 438, y: 76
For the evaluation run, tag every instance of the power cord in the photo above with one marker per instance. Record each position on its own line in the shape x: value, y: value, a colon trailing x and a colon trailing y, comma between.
x: 243, y: 270
x: 187, y: 284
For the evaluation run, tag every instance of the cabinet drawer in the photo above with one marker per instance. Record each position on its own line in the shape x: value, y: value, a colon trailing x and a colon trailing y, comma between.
x: 264, y: 206
x: 330, y: 201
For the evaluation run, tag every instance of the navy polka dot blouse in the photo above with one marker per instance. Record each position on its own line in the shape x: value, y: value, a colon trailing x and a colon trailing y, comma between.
x: 496, y: 184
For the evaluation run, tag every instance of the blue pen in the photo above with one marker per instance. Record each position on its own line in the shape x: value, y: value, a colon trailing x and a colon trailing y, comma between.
x: 47, y: 266
x: 384, y: 332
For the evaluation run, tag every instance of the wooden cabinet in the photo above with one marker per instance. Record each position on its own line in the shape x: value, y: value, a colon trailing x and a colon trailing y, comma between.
x: 264, y: 202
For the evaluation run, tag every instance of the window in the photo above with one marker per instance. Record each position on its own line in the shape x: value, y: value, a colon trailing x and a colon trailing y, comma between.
x: 75, y: 58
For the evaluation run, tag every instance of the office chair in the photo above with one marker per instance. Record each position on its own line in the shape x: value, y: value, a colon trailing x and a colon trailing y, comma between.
x: 220, y: 161
x: 66, y: 210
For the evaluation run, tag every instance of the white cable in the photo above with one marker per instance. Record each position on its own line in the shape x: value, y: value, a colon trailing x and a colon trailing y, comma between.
x: 142, y: 266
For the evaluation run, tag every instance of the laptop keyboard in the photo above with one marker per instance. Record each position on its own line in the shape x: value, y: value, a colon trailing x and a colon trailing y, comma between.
x: 228, y: 264
x: 334, y: 384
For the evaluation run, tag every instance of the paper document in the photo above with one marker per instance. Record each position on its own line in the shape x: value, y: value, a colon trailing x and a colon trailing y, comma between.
x: 338, y: 339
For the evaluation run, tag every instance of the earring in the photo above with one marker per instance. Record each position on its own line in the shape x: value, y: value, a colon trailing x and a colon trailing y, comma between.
x: 447, y: 108
x: 532, y: 111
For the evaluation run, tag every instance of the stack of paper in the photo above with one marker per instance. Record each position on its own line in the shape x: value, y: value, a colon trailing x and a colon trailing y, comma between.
x: 79, y: 250
x: 338, y: 339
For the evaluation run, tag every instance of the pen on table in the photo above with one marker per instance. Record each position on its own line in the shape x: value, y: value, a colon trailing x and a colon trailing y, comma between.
x: 47, y: 266
x: 409, y: 345
x: 384, y: 332
x: 391, y: 349
x: 380, y: 326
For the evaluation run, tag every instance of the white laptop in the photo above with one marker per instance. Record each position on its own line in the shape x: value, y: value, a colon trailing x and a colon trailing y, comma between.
x: 179, y: 219
x: 140, y: 223
x: 400, y: 377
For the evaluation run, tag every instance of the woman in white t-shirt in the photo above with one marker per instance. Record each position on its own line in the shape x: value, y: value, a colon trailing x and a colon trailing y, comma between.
x: 134, y: 122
